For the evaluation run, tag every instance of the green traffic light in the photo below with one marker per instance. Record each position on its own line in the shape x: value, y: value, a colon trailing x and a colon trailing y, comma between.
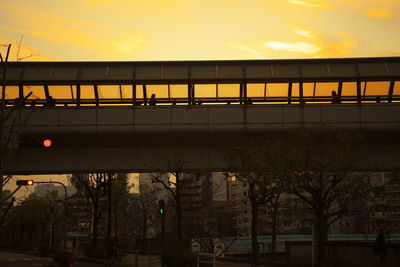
x: 161, y: 211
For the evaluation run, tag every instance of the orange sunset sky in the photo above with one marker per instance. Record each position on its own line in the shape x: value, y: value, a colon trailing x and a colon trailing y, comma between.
x: 92, y: 30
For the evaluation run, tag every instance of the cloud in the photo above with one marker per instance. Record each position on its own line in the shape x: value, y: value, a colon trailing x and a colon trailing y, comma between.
x: 381, y: 13
x: 253, y: 52
x: 301, y: 47
x: 304, y: 33
x: 127, y: 46
x: 338, y: 49
x: 83, y: 35
x: 304, y: 3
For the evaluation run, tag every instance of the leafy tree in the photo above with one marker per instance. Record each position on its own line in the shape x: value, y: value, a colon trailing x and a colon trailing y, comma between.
x: 248, y: 164
x: 273, y: 180
x: 323, y: 171
x: 33, y: 220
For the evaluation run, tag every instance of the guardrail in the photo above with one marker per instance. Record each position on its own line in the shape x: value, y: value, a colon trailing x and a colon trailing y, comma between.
x: 205, y: 258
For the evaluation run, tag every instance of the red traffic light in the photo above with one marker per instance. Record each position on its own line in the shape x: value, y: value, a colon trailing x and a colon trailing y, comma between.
x: 25, y: 182
x: 47, y: 142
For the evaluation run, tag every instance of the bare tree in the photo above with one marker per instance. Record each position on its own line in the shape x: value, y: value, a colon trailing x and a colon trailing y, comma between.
x: 120, y: 201
x: 9, y: 135
x: 92, y: 185
x: 174, y: 186
x: 19, y: 45
x: 4, y: 139
x: 145, y: 207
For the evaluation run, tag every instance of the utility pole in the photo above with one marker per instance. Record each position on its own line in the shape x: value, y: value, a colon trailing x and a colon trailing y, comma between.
x: 109, y: 204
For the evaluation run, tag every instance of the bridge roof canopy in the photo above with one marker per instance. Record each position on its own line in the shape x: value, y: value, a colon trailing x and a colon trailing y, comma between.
x: 383, y: 68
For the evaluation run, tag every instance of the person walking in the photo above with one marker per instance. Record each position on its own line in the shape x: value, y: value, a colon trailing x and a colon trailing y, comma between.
x: 62, y: 258
x: 380, y: 246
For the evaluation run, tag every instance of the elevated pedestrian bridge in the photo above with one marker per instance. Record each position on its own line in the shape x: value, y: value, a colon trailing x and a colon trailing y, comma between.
x: 135, y: 116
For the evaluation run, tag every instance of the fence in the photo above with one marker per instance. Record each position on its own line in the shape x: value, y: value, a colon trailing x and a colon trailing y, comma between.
x: 206, y: 258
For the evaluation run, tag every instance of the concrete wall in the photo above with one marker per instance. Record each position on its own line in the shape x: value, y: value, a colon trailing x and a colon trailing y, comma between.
x: 143, y: 139
x: 343, y: 254
x: 210, y: 119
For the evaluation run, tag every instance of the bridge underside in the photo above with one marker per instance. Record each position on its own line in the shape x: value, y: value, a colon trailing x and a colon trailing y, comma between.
x: 145, y: 139
x: 154, y: 157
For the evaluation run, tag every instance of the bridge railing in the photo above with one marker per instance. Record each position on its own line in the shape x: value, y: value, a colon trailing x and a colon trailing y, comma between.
x: 199, y: 101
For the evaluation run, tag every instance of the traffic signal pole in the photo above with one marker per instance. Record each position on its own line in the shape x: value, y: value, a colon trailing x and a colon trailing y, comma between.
x: 161, y: 210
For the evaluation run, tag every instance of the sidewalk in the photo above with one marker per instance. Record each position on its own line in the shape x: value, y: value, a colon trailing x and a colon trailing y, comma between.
x: 153, y: 261
x: 141, y: 260
x: 233, y: 264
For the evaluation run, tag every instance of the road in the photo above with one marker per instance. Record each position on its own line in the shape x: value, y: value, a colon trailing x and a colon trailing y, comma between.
x: 11, y: 259
x: 147, y: 260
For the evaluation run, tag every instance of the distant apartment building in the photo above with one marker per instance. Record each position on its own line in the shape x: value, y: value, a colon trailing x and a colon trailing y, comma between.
x: 79, y: 213
x: 53, y: 190
x: 147, y: 183
x: 295, y: 217
x: 384, y: 205
x: 5, y: 195
x: 204, y: 205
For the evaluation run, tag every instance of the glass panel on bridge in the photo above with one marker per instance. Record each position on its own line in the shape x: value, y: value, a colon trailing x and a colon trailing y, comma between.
x: 308, y: 89
x: 205, y: 90
x: 295, y: 89
x: 325, y: 89
x: 109, y: 91
x: 160, y: 91
x: 377, y: 88
x: 178, y: 91
x: 277, y: 89
x: 62, y: 91
x: 228, y: 90
x: 396, y: 91
x: 256, y: 90
x: 37, y: 91
x: 139, y: 91
x: 11, y: 92
x: 87, y: 92
x: 349, y: 89
x: 126, y: 91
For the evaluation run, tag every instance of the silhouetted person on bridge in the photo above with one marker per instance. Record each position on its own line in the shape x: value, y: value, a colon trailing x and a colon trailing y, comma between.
x: 249, y: 101
x: 153, y: 100
x: 50, y: 102
x: 335, y: 98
